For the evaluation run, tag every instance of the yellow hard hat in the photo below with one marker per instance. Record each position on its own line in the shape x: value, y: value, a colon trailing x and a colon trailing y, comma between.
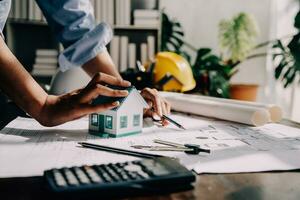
x: 173, y: 73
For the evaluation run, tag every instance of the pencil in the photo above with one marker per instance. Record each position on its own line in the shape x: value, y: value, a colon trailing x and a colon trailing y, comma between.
x: 171, y: 120
x: 118, y: 151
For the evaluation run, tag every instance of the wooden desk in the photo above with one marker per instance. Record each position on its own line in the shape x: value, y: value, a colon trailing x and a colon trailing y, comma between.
x: 254, y: 186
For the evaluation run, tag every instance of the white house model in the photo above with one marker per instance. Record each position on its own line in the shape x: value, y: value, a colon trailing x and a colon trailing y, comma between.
x: 124, y: 120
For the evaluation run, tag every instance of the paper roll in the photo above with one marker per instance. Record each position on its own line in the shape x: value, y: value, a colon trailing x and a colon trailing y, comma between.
x: 221, y: 110
x: 275, y: 111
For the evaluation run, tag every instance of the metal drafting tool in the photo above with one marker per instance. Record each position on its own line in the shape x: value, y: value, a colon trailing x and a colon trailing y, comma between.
x: 171, y: 146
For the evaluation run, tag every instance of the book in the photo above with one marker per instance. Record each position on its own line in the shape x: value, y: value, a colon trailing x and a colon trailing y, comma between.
x: 103, y: 11
x: 144, y: 54
x: 132, y: 55
x: 97, y: 11
x: 43, y: 72
x: 127, y: 12
x: 118, y: 12
x: 110, y: 12
x: 146, y: 22
x: 37, y: 12
x: 45, y: 66
x: 31, y: 9
x: 151, y: 47
x: 123, y: 53
x: 24, y: 4
x: 46, y: 52
x: 17, y: 9
x: 115, y: 50
x: 46, y: 60
x: 141, y: 14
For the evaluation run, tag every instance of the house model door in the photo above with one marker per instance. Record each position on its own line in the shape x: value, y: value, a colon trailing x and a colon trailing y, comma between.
x: 101, y: 123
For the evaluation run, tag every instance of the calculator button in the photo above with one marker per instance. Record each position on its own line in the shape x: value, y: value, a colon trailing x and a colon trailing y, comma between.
x: 81, y: 176
x: 144, y: 175
x: 134, y: 176
x: 71, y: 178
x: 160, y: 171
x: 104, y: 175
x: 92, y: 174
x: 133, y: 168
x: 59, y: 179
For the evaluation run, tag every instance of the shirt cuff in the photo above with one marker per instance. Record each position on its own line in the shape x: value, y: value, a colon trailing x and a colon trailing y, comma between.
x: 85, y: 49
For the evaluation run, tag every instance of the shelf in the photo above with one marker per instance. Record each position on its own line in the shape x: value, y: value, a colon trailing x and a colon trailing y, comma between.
x: 134, y: 27
x: 27, y: 22
x: 116, y: 27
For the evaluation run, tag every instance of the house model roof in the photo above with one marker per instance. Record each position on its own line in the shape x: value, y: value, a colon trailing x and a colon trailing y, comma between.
x: 131, y: 90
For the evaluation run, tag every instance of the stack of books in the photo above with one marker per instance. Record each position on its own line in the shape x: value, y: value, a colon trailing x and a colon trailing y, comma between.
x: 26, y: 10
x: 146, y: 18
x: 123, y: 12
x: 125, y: 54
x: 46, y: 62
x: 104, y: 11
x: 116, y: 12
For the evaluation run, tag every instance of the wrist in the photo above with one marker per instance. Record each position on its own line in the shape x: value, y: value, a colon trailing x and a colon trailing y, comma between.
x: 45, y: 111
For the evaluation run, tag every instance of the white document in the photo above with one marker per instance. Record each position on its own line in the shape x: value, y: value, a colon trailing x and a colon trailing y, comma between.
x: 27, y: 149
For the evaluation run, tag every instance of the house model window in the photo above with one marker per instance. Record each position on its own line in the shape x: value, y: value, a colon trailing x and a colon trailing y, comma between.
x: 136, y: 120
x: 121, y: 121
x: 94, y: 119
x: 108, y: 122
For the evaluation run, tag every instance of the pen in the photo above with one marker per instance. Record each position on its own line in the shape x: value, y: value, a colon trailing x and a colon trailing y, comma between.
x: 171, y: 120
x: 118, y: 151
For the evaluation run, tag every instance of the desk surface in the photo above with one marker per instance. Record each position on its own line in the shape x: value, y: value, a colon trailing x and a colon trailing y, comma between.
x: 268, y: 186
x: 277, y: 185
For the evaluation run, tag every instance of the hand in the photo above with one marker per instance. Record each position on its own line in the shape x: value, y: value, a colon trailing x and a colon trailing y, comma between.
x: 158, y: 104
x: 60, y: 109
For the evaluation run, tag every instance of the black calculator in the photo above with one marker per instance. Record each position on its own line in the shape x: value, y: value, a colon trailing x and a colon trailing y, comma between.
x: 146, y: 176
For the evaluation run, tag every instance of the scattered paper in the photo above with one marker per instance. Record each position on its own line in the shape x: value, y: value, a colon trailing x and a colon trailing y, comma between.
x: 27, y: 148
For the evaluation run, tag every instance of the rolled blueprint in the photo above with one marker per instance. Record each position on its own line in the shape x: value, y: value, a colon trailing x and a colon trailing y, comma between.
x: 255, y: 116
x: 274, y: 110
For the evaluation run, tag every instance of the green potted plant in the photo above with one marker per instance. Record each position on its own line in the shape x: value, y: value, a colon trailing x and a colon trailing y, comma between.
x: 211, y: 73
x: 287, y: 57
x: 237, y: 39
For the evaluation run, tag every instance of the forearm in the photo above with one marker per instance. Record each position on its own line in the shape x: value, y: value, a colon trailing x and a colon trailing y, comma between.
x: 17, y: 83
x: 101, y: 63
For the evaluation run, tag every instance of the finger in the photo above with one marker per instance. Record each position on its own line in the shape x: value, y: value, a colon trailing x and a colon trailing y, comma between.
x: 163, y: 107
x: 89, y: 109
x: 85, y: 109
x: 111, y: 80
x: 92, y: 92
x: 148, y: 111
x: 153, y: 95
x: 149, y: 102
x: 168, y: 106
x: 165, y: 122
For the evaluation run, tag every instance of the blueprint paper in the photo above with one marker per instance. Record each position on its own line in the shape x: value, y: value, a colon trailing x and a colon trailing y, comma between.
x: 27, y: 148
x: 275, y: 111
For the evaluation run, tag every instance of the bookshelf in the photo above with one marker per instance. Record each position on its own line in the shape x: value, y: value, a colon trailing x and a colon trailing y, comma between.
x: 26, y: 30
